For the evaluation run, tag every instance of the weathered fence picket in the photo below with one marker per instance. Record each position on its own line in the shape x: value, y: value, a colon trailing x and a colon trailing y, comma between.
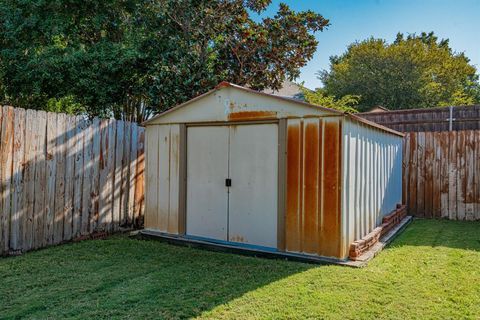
x: 63, y: 177
x: 441, y: 176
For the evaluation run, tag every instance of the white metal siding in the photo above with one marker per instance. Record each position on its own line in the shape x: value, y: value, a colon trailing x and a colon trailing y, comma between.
x: 371, y: 178
x: 207, y: 169
x: 253, y: 195
x: 162, y: 184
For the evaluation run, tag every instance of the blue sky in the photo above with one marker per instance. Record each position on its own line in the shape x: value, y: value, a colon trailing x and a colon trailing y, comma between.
x: 458, y: 20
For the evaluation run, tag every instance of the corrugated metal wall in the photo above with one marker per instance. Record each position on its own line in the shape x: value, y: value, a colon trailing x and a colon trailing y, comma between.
x: 371, y: 177
x: 313, y: 215
x: 162, y: 184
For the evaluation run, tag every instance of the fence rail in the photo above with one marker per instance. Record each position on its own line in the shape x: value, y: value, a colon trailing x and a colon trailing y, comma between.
x: 431, y: 119
x: 64, y: 177
x: 441, y: 174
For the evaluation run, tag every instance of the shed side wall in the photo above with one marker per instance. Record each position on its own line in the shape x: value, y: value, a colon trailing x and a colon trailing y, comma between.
x: 371, y: 178
x: 312, y: 219
x: 163, y: 173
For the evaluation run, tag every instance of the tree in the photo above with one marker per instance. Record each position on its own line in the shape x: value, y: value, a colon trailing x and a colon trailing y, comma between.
x: 132, y: 58
x: 417, y: 71
x: 318, y: 97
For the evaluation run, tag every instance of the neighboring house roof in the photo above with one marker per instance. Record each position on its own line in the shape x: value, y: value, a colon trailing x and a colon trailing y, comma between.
x: 289, y: 90
x: 378, y: 109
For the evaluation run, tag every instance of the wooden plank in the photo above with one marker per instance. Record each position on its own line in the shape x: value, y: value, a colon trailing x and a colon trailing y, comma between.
x: 477, y: 174
x: 95, y: 184
x: 51, y: 175
x: 60, y: 179
x: 125, y: 174
x: 132, y: 174
x: 437, y: 175
x: 405, y: 168
x: 105, y: 187
x: 80, y: 128
x: 421, y: 175
x: 452, y: 175
x: 429, y: 162
x: 444, y: 173
x: 31, y: 127
x: 39, y: 215
x: 18, y: 206
x: 70, y: 143
x: 140, y: 179
x: 110, y: 178
x: 413, y: 177
x: 6, y: 162
x: 1, y: 186
x: 117, y: 189
x: 88, y: 164
x: 469, y: 175
x: 461, y: 175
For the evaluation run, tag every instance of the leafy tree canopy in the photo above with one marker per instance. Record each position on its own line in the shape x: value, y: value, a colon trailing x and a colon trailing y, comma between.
x: 318, y: 97
x: 132, y: 58
x: 415, y: 71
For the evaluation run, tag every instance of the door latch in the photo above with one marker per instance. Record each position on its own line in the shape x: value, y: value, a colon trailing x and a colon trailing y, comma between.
x: 228, y: 182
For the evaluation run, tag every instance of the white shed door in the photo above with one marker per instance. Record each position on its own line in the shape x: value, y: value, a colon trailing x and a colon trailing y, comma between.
x: 207, y: 169
x: 253, y: 194
x: 245, y: 212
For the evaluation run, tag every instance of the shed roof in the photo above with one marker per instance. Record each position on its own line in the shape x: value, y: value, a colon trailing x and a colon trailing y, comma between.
x: 230, y: 102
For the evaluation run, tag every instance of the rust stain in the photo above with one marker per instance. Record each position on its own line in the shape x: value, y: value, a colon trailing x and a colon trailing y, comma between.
x: 330, y: 228
x: 292, y: 219
x: 251, y: 115
x: 310, y: 236
x: 238, y: 238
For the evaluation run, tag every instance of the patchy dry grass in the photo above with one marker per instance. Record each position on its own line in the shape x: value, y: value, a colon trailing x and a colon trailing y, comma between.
x: 430, y: 271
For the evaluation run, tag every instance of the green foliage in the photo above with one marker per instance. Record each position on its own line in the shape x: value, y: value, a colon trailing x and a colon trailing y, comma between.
x: 65, y: 105
x: 430, y: 271
x: 132, y: 58
x: 320, y: 98
x: 417, y: 71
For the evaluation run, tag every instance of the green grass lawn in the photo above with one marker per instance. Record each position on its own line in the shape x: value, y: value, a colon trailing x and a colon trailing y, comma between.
x: 431, y: 271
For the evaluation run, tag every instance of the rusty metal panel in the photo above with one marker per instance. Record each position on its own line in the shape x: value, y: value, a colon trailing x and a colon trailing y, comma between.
x: 294, y: 188
x: 252, y: 213
x: 331, y: 213
x: 312, y: 177
x: 313, y: 215
x: 371, y: 178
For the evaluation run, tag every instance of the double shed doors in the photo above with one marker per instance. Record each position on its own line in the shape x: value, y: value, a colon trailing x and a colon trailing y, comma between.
x: 246, y: 211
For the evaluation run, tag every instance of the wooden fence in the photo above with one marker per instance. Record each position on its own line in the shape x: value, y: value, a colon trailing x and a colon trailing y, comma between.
x: 431, y: 119
x: 65, y: 177
x: 441, y: 174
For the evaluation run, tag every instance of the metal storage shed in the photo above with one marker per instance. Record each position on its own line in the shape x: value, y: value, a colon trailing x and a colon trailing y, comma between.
x: 239, y: 167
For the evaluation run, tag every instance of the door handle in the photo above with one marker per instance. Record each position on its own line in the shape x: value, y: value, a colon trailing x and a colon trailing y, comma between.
x: 228, y: 182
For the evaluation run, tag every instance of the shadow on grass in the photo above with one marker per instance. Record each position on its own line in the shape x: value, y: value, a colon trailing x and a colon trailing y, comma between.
x: 441, y: 233
x: 121, y: 277
x: 126, y: 278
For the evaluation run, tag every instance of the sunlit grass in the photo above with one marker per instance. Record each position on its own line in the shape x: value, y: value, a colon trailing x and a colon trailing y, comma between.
x: 430, y: 271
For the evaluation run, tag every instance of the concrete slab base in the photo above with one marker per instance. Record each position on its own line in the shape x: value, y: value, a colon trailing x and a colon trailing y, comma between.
x: 272, y: 254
